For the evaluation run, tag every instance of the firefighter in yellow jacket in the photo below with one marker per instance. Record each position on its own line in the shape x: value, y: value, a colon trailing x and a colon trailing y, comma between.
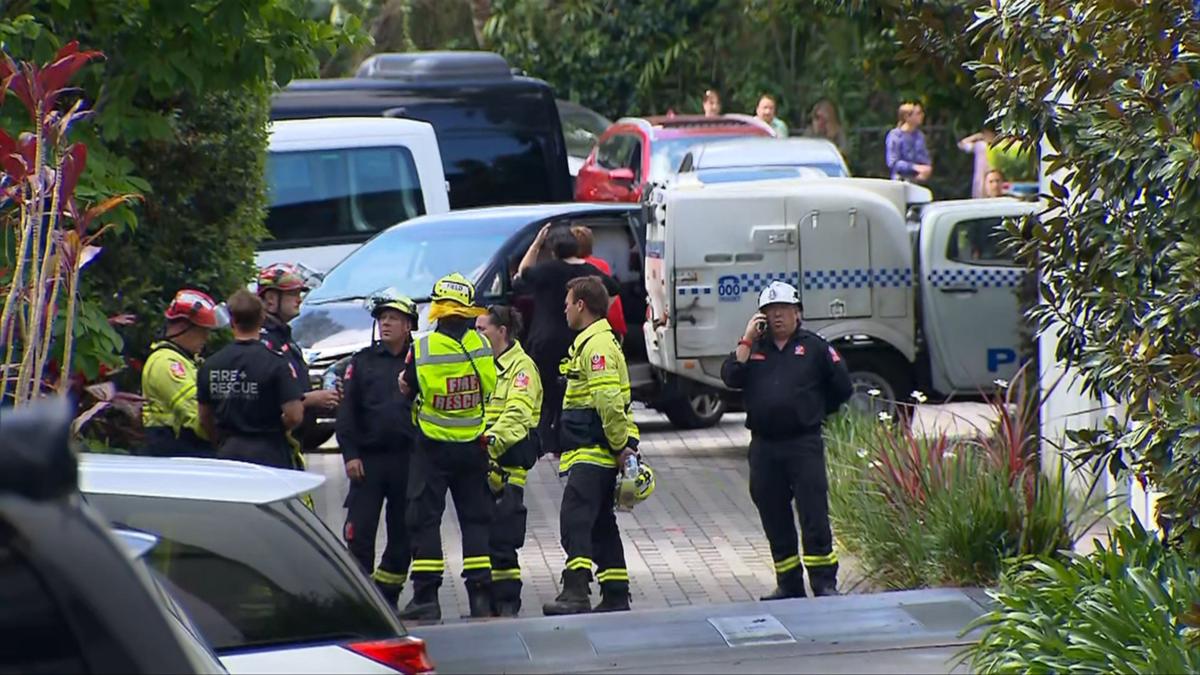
x: 597, y: 436
x: 512, y: 414
x: 450, y: 374
x: 171, y: 415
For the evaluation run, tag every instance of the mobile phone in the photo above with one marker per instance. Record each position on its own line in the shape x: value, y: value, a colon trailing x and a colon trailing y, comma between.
x: 761, y: 325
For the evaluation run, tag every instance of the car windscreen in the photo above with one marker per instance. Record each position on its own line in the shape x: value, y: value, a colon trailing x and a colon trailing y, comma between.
x: 667, y: 153
x: 340, y: 194
x: 253, y: 575
x: 411, y: 259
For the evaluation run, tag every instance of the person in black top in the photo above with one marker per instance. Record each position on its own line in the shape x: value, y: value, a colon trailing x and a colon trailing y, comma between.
x: 282, y: 287
x: 791, y: 379
x: 376, y: 435
x: 249, y: 396
x: 549, y: 336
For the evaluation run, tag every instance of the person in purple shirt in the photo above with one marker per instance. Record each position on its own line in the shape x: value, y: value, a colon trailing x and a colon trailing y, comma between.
x: 906, y: 155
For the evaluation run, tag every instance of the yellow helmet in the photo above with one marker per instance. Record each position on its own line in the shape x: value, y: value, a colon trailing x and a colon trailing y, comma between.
x: 633, y: 486
x: 456, y: 288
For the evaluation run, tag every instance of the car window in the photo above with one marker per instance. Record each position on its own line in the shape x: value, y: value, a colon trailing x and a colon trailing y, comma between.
x: 581, y: 128
x: 253, y: 575
x: 979, y: 241
x: 343, y: 193
x: 614, y: 151
x: 667, y: 153
x: 36, y: 636
x: 500, y: 167
x: 411, y: 259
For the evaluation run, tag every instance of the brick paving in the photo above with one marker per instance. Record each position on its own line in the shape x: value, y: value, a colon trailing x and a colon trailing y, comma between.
x: 697, y: 540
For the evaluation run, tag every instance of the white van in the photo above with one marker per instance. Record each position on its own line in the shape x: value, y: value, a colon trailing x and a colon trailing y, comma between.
x: 333, y: 183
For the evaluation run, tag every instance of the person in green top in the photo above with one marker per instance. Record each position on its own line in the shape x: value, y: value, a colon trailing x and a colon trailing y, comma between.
x: 512, y: 415
x: 767, y: 109
x: 170, y: 415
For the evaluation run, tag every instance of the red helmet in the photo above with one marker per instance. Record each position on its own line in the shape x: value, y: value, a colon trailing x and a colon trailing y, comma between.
x: 286, y: 277
x: 198, y: 308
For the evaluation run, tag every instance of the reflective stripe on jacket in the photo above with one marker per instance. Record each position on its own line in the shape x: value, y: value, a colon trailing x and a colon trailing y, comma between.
x: 597, y: 419
x: 169, y: 386
x: 454, y: 379
x: 515, y: 408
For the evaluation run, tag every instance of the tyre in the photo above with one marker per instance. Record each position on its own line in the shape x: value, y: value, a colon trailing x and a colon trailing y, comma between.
x: 696, y: 407
x: 879, y: 380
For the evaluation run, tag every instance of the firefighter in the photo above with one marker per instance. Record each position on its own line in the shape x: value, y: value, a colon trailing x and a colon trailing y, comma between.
x: 791, y: 380
x: 170, y: 416
x: 282, y: 287
x: 512, y: 414
x: 249, y: 395
x: 450, y: 373
x: 376, y: 436
x: 597, y: 435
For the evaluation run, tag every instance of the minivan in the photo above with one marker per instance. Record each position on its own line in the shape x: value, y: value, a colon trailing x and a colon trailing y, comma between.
x: 499, y: 133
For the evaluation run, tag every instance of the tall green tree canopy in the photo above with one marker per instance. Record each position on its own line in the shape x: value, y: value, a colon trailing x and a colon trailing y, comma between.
x: 181, y: 105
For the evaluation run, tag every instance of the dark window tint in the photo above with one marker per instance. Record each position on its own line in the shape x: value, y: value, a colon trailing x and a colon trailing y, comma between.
x: 340, y: 194
x: 617, y: 151
x: 253, y: 575
x: 34, y: 635
x: 978, y: 241
x: 496, y: 167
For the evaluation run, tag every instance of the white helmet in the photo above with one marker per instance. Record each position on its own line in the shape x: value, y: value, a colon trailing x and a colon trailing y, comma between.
x: 778, y: 292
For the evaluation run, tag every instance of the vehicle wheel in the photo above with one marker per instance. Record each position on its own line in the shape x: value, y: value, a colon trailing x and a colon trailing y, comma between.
x: 879, y: 379
x: 697, y: 407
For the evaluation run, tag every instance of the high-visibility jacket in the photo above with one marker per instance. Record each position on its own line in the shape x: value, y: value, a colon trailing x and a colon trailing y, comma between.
x: 512, y: 412
x: 169, y: 387
x: 454, y: 379
x: 597, y: 418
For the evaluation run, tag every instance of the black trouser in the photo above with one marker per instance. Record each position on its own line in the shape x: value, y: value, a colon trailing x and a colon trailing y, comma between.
x: 507, y: 537
x: 385, y: 477
x: 589, y: 527
x: 553, y: 389
x: 264, y: 450
x: 461, y: 468
x: 783, y: 471
x: 162, y: 442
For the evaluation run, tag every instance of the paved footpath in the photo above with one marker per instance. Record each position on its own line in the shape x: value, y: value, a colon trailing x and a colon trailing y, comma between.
x: 696, y: 541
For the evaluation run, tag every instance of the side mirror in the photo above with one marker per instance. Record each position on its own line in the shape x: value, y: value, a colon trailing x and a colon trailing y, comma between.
x: 623, y: 175
x: 36, y: 458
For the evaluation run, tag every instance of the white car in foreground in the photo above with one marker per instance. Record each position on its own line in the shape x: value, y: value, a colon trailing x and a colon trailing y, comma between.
x: 266, y: 582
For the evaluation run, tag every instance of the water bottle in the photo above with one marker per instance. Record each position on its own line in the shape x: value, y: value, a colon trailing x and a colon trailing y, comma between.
x: 631, y: 467
x: 329, y: 380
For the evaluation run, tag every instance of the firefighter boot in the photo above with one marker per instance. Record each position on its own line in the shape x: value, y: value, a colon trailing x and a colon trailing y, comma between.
x: 823, y: 581
x: 479, y: 597
x: 506, y: 598
x: 614, y: 597
x: 576, y: 587
x: 424, y: 604
x: 390, y: 592
x: 790, y: 585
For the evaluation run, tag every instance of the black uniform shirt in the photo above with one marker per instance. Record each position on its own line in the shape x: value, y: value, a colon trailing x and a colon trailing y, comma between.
x: 549, y: 335
x: 246, y: 385
x: 788, y: 392
x: 277, y: 336
x: 374, y: 416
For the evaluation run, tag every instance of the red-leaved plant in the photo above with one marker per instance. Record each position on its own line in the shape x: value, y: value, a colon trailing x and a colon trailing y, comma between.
x: 54, y: 237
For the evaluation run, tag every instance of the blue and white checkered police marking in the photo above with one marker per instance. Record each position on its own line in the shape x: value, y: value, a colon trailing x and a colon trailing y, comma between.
x: 695, y: 290
x: 883, y: 277
x: 976, y: 278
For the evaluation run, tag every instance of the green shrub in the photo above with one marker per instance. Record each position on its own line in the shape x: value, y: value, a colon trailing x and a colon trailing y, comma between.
x: 924, y: 511
x: 1132, y: 608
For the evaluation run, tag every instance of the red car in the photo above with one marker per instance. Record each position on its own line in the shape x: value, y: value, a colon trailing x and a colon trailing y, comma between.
x: 640, y: 150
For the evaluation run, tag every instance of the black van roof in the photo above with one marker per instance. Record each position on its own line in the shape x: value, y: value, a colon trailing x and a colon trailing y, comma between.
x: 425, y: 70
